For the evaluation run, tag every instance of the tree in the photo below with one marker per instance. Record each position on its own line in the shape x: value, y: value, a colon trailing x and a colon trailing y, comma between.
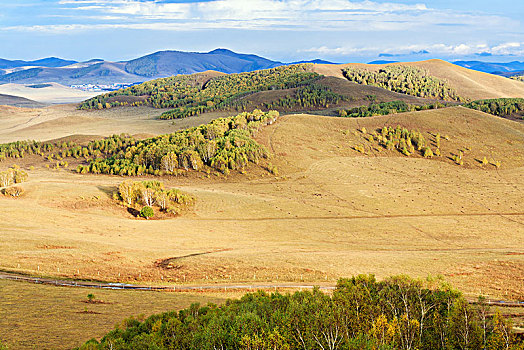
x: 6, y: 178
x: 127, y: 191
x: 148, y: 196
x: 501, y: 338
x: 90, y: 297
x: 162, y: 199
x: 147, y: 212
x: 169, y: 162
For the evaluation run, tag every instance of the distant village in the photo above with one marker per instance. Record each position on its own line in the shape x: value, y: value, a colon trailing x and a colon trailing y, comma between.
x: 102, y: 87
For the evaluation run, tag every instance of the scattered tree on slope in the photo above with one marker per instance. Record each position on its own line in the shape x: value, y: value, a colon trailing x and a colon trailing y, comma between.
x: 405, y: 141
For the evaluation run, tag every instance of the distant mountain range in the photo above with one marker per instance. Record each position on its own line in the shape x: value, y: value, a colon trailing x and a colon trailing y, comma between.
x: 167, y: 63
x: 45, y: 62
x: 490, y: 67
x: 157, y: 65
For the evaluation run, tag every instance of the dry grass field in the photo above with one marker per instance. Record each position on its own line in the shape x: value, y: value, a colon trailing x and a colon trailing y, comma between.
x: 65, y: 120
x: 51, y: 93
x: 332, y: 212
x: 47, y: 317
x: 468, y: 83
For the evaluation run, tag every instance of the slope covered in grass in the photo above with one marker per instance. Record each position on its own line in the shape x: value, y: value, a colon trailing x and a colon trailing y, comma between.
x: 469, y: 84
x: 191, y: 95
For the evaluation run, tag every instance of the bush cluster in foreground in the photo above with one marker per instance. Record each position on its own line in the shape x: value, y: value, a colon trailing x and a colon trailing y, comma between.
x: 362, y: 313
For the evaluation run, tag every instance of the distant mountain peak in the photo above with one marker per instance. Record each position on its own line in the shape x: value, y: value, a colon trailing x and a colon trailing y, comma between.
x: 222, y: 51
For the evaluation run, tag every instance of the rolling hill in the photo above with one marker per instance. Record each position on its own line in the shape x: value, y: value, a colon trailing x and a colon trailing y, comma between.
x: 468, y: 83
x: 331, y: 199
x: 15, y: 101
x: 293, y: 88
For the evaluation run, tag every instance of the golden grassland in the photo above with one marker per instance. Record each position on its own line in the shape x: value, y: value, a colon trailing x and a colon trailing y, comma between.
x: 60, y: 121
x: 48, y: 317
x: 468, y: 83
x: 331, y: 212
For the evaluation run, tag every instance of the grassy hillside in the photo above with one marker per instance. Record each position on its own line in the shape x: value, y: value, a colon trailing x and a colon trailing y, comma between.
x: 469, y: 84
x: 15, y: 101
x: 194, y: 94
x: 286, y: 89
x: 49, y: 317
x: 385, y: 212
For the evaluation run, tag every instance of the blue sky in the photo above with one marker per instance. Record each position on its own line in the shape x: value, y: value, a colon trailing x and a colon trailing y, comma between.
x: 337, y: 30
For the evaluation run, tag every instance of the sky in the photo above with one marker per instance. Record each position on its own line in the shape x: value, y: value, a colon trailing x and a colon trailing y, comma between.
x: 284, y: 30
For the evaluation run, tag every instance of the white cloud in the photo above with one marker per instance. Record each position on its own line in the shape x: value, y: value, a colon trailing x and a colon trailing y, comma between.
x: 312, y: 15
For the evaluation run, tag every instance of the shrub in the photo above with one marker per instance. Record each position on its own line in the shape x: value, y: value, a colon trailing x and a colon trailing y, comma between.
x: 147, y: 212
x: 427, y: 152
x: 14, y: 191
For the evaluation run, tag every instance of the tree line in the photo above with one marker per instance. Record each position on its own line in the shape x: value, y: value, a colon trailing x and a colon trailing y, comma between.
x: 404, y: 79
x: 362, y: 313
x: 191, y: 95
x: 385, y: 108
x: 501, y: 107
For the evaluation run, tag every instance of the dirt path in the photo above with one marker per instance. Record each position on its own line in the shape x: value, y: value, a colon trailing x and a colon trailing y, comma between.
x: 190, y: 288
